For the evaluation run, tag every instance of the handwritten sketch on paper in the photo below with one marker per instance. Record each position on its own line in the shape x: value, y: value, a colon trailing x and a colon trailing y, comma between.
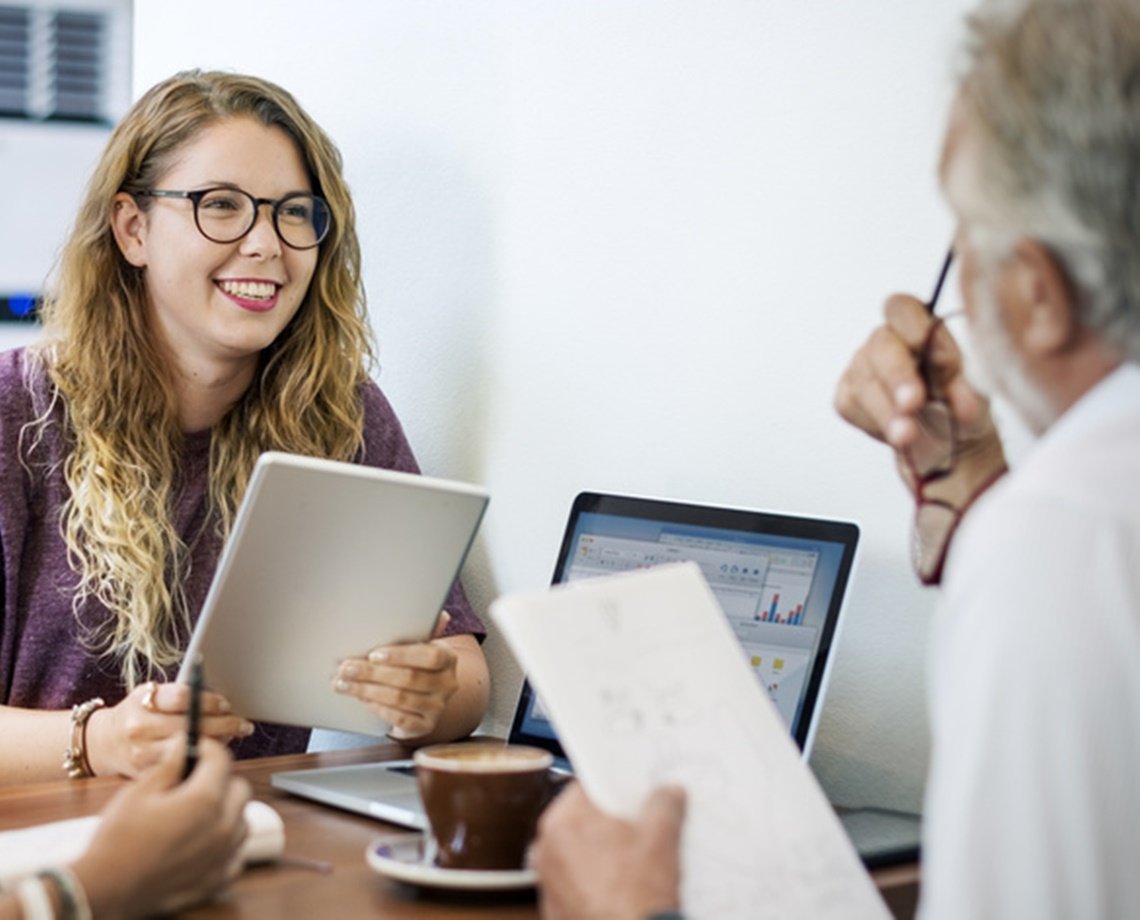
x: 646, y: 684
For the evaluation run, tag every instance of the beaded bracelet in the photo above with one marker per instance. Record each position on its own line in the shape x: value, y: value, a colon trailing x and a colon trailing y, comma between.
x: 75, y: 762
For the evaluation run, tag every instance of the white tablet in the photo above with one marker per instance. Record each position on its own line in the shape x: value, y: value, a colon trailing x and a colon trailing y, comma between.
x: 325, y: 561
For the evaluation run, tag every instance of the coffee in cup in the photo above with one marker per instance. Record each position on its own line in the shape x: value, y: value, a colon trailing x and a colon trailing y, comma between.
x: 483, y: 801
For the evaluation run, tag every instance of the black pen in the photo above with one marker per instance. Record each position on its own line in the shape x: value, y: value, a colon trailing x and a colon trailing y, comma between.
x: 933, y: 302
x: 193, y: 718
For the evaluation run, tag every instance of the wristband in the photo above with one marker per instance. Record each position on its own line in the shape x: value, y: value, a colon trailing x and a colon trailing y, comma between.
x: 73, y: 899
x: 75, y: 762
x: 35, y: 902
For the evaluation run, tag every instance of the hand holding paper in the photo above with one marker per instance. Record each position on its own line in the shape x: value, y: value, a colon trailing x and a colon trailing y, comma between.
x: 606, y: 866
x: 647, y: 686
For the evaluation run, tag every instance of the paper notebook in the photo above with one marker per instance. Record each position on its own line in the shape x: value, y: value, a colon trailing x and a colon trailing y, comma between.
x: 30, y: 849
x: 646, y: 684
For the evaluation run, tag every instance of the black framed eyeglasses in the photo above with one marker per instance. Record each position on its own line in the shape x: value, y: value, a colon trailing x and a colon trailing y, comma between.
x: 932, y: 457
x: 225, y: 215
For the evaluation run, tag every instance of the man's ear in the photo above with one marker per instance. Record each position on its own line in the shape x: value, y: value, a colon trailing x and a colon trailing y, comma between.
x: 1049, y: 300
x: 128, y: 223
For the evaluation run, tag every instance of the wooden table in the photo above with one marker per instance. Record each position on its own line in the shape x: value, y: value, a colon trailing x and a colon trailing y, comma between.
x: 338, y: 838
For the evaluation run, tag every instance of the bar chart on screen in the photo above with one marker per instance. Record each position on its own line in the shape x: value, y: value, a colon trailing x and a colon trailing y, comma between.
x: 787, y: 585
x: 771, y: 612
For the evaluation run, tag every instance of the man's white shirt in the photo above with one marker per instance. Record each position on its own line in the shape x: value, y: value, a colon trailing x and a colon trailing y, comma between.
x: 1033, y: 800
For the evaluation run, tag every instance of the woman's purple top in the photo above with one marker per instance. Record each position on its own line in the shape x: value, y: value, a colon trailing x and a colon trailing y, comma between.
x: 43, y: 663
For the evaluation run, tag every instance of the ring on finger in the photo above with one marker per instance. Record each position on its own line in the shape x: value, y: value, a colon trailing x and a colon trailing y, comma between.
x: 148, y: 702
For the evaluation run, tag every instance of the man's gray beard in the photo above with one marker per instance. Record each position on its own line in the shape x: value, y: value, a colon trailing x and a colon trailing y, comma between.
x: 997, y: 369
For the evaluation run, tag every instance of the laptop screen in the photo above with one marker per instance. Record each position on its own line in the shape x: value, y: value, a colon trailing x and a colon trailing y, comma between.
x: 779, y: 579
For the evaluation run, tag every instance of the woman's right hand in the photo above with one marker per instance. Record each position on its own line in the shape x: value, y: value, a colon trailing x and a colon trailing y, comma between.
x: 162, y: 843
x: 130, y: 737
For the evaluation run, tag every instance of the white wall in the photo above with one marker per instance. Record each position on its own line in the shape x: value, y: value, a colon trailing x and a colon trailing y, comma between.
x: 54, y: 161
x: 629, y: 246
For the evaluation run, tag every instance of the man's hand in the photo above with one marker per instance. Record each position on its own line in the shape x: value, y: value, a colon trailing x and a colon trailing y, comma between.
x: 596, y: 867
x: 882, y: 393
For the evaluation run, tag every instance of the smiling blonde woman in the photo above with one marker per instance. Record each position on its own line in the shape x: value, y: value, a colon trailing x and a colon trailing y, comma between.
x: 208, y: 307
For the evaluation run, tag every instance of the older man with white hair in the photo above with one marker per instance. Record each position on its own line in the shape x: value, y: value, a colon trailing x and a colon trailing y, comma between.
x: 1033, y: 799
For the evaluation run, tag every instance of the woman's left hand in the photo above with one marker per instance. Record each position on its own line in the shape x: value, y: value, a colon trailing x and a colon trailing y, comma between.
x: 407, y: 686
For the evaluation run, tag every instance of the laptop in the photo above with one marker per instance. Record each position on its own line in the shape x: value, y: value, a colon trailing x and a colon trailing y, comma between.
x: 781, y: 580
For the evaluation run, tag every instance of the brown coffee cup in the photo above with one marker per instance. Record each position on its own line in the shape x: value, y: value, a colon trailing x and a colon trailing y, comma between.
x: 483, y: 801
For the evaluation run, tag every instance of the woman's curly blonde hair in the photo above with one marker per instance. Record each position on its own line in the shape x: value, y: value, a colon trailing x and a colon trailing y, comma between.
x: 109, y: 375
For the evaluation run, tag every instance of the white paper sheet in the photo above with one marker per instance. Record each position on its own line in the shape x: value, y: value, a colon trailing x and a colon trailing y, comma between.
x: 646, y: 684
x: 58, y: 843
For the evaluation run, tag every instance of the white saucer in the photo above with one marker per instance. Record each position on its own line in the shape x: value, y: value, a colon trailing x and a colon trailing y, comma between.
x: 401, y: 856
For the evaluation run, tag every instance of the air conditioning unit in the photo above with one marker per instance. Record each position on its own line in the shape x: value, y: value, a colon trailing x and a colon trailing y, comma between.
x: 64, y: 81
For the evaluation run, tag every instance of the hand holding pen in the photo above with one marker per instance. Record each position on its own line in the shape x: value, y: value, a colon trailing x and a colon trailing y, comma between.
x: 129, y: 737
x: 193, y: 718
x: 884, y: 388
x: 907, y: 386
